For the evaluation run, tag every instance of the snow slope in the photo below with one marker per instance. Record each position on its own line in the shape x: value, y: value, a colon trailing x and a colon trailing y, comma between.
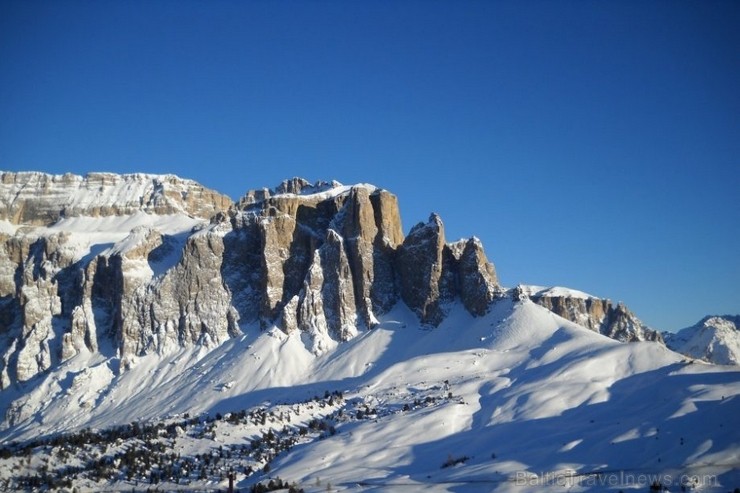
x: 94, y: 235
x: 517, y: 400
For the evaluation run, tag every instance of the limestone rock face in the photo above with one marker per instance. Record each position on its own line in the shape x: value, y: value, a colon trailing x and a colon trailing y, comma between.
x: 63, y: 291
x: 425, y: 278
x: 326, y: 304
x: 433, y: 273
x: 477, y: 279
x: 337, y: 289
x: 36, y: 300
x: 191, y: 304
x: 124, y: 300
x: 42, y: 199
x: 179, y: 265
x: 372, y: 228
x: 314, y: 257
x: 326, y: 254
x: 621, y: 324
x: 600, y: 315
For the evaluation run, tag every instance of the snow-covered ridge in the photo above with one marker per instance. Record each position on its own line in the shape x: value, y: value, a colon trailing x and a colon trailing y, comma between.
x: 300, y: 188
x: 597, y: 314
x: 335, y: 190
x: 42, y: 199
x: 559, y: 291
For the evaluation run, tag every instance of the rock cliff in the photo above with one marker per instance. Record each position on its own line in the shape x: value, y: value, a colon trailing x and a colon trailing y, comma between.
x: 126, y: 265
x: 32, y: 198
x: 433, y: 273
x: 73, y: 275
x: 597, y: 314
x: 332, y: 258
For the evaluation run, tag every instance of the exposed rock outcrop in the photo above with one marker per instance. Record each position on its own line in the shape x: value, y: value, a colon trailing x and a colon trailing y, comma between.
x: 477, y: 279
x: 40, y: 199
x: 425, y: 268
x: 36, y: 303
x: 597, y: 314
x: 433, y: 273
x: 58, y: 298
x: 327, y: 254
x: 326, y: 306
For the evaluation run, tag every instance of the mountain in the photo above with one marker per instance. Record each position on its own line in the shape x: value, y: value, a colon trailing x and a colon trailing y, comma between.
x: 153, y: 331
x: 715, y: 339
x: 597, y: 314
x: 142, y: 263
x: 75, y: 250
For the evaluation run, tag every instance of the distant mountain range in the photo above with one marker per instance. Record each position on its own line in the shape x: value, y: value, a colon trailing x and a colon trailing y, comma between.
x: 145, y: 297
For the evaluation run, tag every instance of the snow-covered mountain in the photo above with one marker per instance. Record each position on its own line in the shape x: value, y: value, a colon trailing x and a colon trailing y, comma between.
x: 74, y: 250
x: 715, y: 339
x: 325, y: 259
x: 597, y: 314
x: 216, y: 327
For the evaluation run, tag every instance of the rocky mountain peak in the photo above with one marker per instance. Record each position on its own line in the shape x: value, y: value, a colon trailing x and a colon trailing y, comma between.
x: 323, y: 258
x: 715, y: 339
x: 433, y: 273
x: 293, y: 186
x: 598, y: 314
x: 301, y: 186
x: 732, y: 322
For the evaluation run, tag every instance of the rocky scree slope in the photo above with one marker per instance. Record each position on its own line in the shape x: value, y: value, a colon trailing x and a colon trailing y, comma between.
x: 125, y: 265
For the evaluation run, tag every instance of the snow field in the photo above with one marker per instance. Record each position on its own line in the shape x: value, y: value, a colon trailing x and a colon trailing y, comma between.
x: 514, y: 398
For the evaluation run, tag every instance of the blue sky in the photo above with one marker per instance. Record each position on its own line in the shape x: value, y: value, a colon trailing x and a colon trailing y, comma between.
x: 594, y: 145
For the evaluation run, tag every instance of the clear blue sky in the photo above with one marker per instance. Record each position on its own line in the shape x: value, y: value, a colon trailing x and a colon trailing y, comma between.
x: 594, y: 145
